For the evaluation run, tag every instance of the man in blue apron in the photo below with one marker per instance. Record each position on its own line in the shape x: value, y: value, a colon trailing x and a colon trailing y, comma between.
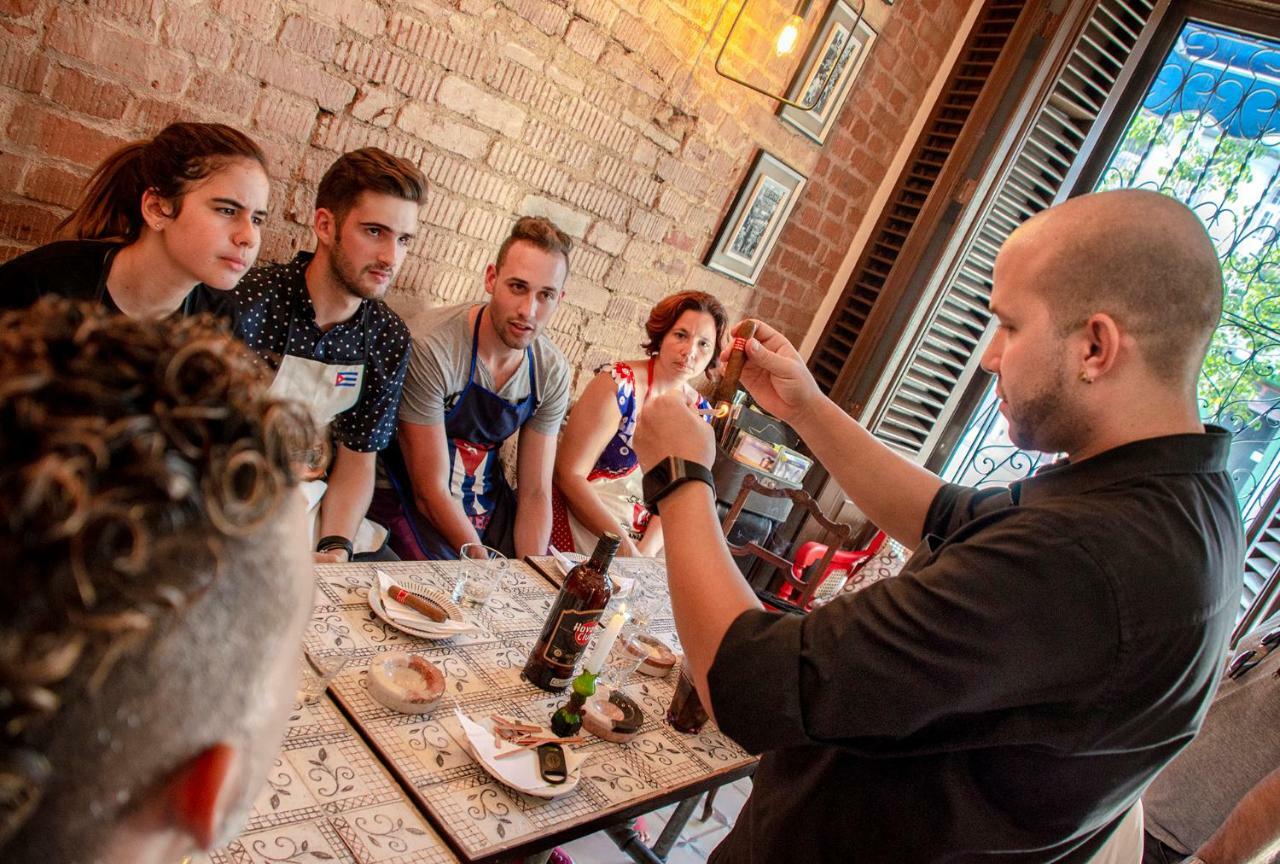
x: 320, y: 322
x: 481, y: 373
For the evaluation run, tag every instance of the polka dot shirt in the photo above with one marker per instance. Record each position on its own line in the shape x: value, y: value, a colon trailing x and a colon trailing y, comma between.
x: 267, y: 295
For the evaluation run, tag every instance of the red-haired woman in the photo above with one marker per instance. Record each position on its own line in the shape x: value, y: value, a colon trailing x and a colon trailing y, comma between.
x: 597, y: 478
x: 166, y: 225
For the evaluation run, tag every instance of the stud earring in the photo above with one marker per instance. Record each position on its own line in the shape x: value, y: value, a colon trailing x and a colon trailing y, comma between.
x: 1084, y: 377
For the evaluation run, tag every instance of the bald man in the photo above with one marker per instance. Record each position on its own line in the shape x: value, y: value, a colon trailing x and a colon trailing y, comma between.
x: 1051, y: 644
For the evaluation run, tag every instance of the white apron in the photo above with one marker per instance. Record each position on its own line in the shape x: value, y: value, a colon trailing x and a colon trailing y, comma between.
x: 326, y: 389
x: 1125, y: 844
x: 623, y: 498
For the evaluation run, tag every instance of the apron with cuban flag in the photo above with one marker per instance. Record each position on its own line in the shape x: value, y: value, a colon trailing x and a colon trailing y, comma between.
x: 326, y: 389
x: 475, y: 428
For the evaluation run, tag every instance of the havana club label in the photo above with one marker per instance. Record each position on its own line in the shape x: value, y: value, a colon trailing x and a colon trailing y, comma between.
x: 570, y: 636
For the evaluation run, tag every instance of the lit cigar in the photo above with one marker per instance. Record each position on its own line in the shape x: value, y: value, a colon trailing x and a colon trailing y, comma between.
x: 418, y: 604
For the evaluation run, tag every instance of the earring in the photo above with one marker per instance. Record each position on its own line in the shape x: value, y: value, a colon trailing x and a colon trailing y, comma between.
x: 1084, y: 377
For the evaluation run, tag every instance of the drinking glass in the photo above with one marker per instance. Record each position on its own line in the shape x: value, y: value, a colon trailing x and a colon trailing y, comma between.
x: 482, y: 571
x: 316, y: 674
x: 686, y: 713
x: 642, y: 605
x: 626, y: 655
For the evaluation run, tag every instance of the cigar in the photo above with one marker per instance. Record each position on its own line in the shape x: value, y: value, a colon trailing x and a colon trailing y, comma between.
x: 418, y: 604
x: 733, y: 366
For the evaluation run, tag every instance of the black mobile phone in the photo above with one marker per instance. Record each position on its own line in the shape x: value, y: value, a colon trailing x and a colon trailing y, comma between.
x: 551, y: 764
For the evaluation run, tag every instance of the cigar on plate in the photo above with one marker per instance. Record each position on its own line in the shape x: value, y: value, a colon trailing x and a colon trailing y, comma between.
x: 418, y: 604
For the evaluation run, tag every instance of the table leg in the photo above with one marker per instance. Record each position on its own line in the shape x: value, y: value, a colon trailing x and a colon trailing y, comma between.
x: 629, y: 841
x: 671, y: 831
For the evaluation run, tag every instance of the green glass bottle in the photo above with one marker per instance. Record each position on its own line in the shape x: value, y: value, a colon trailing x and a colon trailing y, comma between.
x: 568, y: 717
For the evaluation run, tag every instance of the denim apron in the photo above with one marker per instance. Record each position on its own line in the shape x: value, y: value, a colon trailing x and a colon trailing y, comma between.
x: 475, y: 428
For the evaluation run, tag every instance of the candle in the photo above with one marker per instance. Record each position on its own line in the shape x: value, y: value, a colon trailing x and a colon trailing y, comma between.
x: 600, y: 650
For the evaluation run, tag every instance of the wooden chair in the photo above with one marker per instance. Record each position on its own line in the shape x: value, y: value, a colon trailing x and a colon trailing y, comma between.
x: 814, y: 561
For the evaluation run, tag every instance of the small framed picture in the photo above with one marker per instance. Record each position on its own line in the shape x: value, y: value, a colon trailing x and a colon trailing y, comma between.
x: 756, y: 218
x: 842, y: 43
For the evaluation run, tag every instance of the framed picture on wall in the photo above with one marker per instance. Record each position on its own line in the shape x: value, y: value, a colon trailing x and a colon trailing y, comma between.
x: 842, y: 42
x: 759, y: 211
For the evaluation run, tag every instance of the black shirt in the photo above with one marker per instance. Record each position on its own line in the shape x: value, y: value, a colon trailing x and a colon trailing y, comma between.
x: 77, y: 269
x: 1008, y: 696
x: 270, y: 297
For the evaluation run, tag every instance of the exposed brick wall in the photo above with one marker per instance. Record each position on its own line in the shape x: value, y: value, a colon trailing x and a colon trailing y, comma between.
x: 509, y: 106
x: 854, y: 160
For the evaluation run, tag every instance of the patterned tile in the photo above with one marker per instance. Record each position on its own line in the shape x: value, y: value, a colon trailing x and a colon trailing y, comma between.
x: 482, y: 675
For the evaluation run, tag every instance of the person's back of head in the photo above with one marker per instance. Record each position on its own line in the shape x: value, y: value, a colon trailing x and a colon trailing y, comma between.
x: 1141, y: 257
x: 154, y: 587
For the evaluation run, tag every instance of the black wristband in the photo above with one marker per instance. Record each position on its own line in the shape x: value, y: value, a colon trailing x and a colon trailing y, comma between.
x: 669, y: 474
x: 336, y: 541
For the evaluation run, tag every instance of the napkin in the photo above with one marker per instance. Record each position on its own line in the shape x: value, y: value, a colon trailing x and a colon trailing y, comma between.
x: 402, y: 614
x: 520, y: 771
x: 567, y: 561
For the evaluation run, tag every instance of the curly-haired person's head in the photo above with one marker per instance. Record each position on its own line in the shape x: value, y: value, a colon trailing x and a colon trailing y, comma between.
x: 153, y: 583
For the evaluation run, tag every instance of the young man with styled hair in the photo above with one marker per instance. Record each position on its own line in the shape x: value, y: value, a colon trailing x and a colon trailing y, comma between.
x: 1050, y: 645
x: 321, y: 323
x: 481, y: 373
x: 155, y: 587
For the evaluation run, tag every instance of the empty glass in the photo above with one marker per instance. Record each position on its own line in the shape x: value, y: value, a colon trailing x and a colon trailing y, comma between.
x: 316, y: 674
x: 481, y: 571
x: 626, y: 655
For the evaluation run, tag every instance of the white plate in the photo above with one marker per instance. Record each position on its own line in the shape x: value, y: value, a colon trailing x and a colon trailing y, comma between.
x: 458, y: 623
x: 519, y: 771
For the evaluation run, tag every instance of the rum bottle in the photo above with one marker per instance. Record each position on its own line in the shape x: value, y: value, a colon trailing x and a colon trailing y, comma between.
x: 572, y: 620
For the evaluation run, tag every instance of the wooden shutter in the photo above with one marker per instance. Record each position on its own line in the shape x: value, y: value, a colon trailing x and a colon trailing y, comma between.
x: 954, y: 108
x: 928, y: 376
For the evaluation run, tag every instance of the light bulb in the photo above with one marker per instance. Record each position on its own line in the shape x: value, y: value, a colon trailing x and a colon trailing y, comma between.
x: 788, y: 36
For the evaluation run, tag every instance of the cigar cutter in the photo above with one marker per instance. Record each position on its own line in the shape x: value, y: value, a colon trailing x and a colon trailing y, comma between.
x: 551, y: 764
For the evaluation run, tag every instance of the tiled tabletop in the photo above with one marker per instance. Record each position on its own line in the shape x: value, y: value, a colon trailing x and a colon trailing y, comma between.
x: 481, y: 818
x: 328, y: 798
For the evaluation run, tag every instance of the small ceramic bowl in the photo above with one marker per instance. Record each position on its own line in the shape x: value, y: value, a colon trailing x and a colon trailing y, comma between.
x: 614, y: 717
x: 660, y: 661
x: 405, y: 682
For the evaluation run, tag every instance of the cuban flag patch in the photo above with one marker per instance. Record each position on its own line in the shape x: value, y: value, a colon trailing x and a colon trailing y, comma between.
x: 346, y: 379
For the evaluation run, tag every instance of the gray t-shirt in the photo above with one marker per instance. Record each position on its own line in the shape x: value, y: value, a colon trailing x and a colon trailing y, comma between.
x: 1236, y: 748
x: 441, y: 360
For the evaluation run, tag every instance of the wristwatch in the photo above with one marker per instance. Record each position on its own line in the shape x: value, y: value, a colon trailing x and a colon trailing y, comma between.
x: 669, y: 474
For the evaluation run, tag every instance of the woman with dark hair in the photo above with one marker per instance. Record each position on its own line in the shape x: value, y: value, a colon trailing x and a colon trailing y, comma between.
x: 165, y: 225
x: 597, y: 481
